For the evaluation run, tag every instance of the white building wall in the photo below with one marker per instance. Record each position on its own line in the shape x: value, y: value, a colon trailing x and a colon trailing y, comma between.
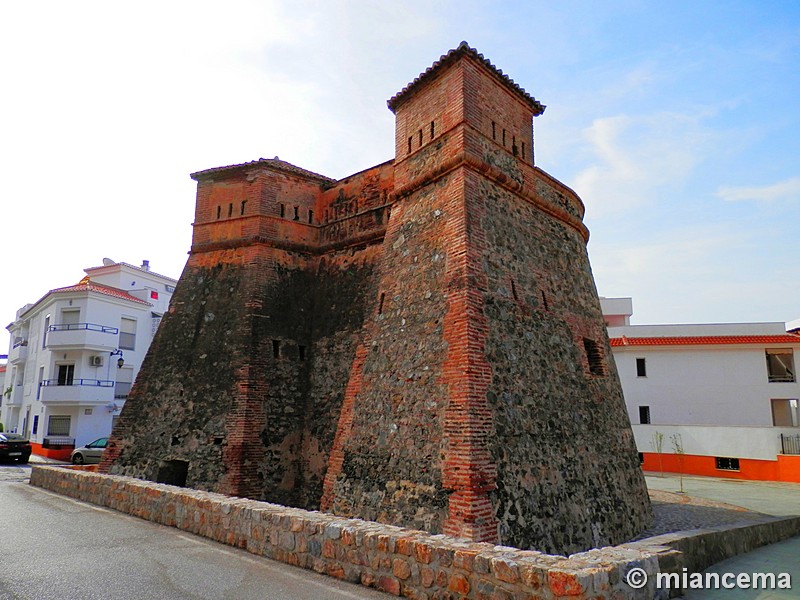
x: 91, y: 406
x: 701, y: 385
x: 717, y: 397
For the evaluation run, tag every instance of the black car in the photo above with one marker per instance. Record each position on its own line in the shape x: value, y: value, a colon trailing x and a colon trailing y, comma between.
x: 14, y: 446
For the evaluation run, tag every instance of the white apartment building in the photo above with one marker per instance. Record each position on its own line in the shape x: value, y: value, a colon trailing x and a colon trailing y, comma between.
x: 728, y: 393
x: 75, y: 352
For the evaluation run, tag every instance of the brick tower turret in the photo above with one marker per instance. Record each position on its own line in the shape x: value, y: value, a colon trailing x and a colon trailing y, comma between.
x: 419, y: 344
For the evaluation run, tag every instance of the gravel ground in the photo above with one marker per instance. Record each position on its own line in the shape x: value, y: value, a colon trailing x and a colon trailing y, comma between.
x: 679, y: 512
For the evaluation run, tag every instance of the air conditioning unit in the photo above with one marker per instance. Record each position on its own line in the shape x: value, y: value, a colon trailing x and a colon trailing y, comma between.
x: 96, y: 361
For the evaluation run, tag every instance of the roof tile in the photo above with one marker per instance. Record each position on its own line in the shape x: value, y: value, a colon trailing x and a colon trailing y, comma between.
x: 703, y: 340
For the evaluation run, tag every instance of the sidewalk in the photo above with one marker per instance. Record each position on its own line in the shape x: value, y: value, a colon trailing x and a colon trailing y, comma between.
x: 767, y: 497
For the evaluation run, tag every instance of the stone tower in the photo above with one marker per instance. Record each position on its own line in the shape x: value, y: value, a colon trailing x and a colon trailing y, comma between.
x: 420, y: 343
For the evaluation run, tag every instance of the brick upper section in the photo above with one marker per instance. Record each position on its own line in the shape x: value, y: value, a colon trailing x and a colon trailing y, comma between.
x: 451, y: 57
x: 704, y: 340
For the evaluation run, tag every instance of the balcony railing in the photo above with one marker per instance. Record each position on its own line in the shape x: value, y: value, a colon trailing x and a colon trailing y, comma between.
x: 19, y: 352
x: 87, y: 326
x: 92, y: 391
x: 790, y: 444
x: 82, y: 335
x: 90, y: 382
x: 783, y: 377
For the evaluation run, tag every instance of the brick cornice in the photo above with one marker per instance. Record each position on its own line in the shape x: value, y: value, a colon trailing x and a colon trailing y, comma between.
x: 497, y: 176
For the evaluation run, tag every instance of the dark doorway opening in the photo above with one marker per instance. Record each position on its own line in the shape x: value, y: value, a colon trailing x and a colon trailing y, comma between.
x: 173, y: 472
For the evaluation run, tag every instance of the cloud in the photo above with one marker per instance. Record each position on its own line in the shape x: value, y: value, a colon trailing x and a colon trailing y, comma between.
x: 783, y: 190
x: 636, y: 156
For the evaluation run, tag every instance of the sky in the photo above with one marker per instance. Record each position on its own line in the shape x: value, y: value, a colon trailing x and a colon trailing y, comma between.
x: 677, y: 123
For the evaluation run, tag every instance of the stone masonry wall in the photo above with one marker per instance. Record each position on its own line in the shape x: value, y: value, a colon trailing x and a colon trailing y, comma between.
x: 562, y: 441
x: 409, y: 563
x: 390, y: 453
x: 195, y: 353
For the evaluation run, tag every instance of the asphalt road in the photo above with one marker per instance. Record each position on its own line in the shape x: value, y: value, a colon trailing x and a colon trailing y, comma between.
x: 52, y: 547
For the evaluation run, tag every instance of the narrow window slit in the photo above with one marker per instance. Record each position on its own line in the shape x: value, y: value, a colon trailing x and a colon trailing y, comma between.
x: 410, y: 140
x: 230, y: 209
x: 296, y: 213
x: 276, y: 349
x: 301, y: 352
x: 219, y: 212
x: 420, y: 138
x: 544, y: 301
x: 432, y: 129
x: 380, y: 304
x: 514, y: 290
x: 504, y: 137
x: 310, y: 216
x: 283, y: 210
x: 595, y: 357
x: 244, y: 203
x: 494, y: 130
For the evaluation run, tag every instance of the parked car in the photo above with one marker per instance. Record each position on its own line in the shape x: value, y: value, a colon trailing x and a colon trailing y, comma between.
x: 90, y: 453
x: 14, y: 446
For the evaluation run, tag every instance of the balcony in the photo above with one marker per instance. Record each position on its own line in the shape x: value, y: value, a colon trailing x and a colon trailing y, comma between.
x: 15, y: 397
x: 77, y: 391
x: 18, y: 353
x: 82, y: 335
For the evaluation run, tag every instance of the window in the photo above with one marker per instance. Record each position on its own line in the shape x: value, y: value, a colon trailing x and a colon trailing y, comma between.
x: 46, y: 329
x: 780, y: 365
x: 122, y: 387
x: 644, y: 415
x: 244, y: 203
x: 41, y: 381
x: 283, y: 210
x: 784, y: 412
x: 35, y: 424
x: 276, y: 349
x: 595, y: 357
x: 310, y: 216
x: 641, y: 367
x: 58, y: 425
x: 66, y: 374
x: 127, y: 334
x: 724, y: 463
x: 70, y: 318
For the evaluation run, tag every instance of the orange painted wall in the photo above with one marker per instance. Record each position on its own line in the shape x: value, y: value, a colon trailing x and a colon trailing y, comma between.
x: 784, y: 468
x: 54, y: 453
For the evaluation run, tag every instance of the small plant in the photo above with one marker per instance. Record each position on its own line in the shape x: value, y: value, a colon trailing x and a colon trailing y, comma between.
x: 8, y: 391
x: 677, y: 448
x: 657, y: 443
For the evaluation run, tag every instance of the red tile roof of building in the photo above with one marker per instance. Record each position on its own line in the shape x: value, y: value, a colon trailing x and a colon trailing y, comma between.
x: 704, y: 340
x: 464, y: 49
x: 86, y: 285
x: 273, y: 163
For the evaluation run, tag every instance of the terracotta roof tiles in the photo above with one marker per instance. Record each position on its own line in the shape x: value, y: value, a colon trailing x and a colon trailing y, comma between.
x: 273, y: 163
x: 464, y: 49
x: 703, y: 340
x: 88, y: 286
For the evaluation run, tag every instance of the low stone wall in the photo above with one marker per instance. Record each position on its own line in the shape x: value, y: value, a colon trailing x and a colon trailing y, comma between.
x: 405, y: 562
